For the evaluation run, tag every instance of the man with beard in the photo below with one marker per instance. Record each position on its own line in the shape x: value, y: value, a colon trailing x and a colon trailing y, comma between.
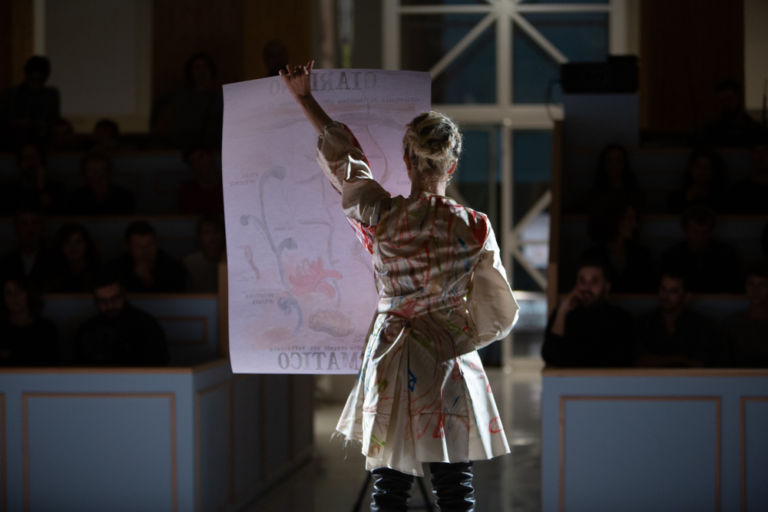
x: 585, y: 329
x: 120, y: 335
x: 673, y: 335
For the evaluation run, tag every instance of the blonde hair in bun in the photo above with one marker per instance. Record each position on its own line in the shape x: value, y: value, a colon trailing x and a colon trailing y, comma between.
x: 433, y: 143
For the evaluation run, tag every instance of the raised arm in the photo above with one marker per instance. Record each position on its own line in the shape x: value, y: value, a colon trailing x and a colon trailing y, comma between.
x: 297, y: 81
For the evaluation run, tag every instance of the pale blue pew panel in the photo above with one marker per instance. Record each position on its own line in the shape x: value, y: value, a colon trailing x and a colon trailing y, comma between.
x: 213, y: 446
x: 675, y: 441
x: 175, y: 439
x: 755, y: 421
x: 654, y: 439
x: 100, y: 453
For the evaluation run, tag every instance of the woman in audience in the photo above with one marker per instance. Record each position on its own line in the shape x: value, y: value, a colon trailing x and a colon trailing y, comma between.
x: 78, y: 260
x: 612, y: 228
x: 614, y: 179
x: 26, y: 338
x: 203, y: 265
x: 704, y: 182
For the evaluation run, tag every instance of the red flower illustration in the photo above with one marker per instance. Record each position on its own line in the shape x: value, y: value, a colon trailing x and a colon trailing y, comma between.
x: 311, y: 277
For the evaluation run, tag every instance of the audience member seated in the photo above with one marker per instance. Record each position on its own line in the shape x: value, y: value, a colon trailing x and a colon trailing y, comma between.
x: 704, y: 182
x: 614, y: 179
x: 192, y: 115
x: 28, y: 111
x: 750, y: 196
x: 120, y: 334
x: 746, y: 332
x: 99, y: 196
x: 586, y: 329
x: 78, y: 260
x: 30, y: 258
x: 63, y: 137
x: 612, y: 227
x: 712, y: 266
x: 146, y: 268
x: 275, y: 56
x: 106, y: 135
x: 32, y: 183
x: 26, y: 338
x: 733, y: 126
x: 203, y: 265
x: 764, y: 242
x: 203, y: 194
x: 673, y: 335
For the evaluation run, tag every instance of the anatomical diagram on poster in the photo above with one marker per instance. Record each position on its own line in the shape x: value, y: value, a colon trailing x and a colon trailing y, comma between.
x: 301, y: 287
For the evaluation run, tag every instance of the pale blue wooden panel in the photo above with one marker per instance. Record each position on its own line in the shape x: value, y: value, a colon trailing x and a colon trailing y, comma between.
x: 213, y: 422
x: 756, y: 453
x: 640, y: 455
x: 96, y: 452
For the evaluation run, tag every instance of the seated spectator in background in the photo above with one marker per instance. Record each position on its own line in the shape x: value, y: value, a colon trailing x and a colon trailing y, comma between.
x: 712, y: 266
x: 704, y: 182
x: 63, y: 137
x: 32, y: 183
x: 673, y: 335
x: 614, y: 179
x: 28, y: 111
x: 146, y: 268
x: 733, y: 126
x: 78, y: 260
x: 120, y: 334
x: 106, y: 135
x: 764, y: 242
x: 750, y: 196
x: 746, y: 333
x: 26, y: 338
x: 586, y: 329
x: 612, y: 227
x: 192, y: 115
x: 203, y: 194
x: 275, y: 56
x: 99, y: 196
x: 30, y: 258
x: 203, y: 265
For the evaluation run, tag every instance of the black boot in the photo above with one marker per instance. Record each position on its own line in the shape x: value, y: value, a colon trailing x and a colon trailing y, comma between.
x: 452, y: 485
x: 391, y: 490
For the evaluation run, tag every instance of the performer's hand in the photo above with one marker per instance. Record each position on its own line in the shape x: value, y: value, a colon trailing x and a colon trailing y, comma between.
x: 296, y: 79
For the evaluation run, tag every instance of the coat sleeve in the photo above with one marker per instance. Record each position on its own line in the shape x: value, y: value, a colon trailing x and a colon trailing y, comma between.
x: 345, y: 165
x: 491, y: 303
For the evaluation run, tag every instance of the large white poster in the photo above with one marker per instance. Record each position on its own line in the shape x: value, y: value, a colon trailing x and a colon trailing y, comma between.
x: 301, y: 289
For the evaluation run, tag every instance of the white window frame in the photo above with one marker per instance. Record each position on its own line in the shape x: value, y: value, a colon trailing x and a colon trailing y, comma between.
x: 506, y: 16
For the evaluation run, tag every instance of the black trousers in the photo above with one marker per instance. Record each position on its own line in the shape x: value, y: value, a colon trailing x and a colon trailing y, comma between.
x: 451, y: 483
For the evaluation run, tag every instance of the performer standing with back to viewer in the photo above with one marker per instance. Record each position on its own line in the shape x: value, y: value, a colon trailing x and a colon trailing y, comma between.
x: 422, y: 394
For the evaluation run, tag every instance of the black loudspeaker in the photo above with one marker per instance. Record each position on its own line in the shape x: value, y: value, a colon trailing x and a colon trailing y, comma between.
x: 616, y: 75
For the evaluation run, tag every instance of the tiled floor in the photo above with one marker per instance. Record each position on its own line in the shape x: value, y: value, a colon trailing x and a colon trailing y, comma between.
x: 334, y: 478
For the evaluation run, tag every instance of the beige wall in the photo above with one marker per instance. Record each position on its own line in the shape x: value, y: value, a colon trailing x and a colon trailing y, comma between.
x: 100, y: 53
x: 755, y: 52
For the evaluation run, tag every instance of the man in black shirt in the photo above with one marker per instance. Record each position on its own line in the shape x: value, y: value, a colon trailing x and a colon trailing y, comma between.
x: 673, y: 335
x: 145, y: 268
x: 585, y: 329
x: 120, y: 335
